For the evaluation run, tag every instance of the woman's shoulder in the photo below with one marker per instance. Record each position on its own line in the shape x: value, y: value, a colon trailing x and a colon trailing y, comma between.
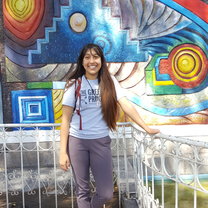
x: 73, y: 83
x: 69, y: 83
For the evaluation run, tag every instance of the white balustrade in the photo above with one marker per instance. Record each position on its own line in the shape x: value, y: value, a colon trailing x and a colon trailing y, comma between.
x: 29, y: 170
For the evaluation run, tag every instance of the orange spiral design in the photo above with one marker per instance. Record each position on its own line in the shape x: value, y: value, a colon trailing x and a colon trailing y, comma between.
x: 22, y: 17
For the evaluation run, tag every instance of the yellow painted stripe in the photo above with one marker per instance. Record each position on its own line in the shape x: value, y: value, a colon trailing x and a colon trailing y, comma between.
x: 57, y: 101
x: 57, y: 105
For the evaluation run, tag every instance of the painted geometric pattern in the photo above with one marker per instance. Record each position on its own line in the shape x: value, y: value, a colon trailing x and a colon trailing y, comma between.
x: 57, y: 105
x: 158, y: 83
x: 156, y: 34
x: 80, y: 26
x: 183, y: 71
x: 32, y: 106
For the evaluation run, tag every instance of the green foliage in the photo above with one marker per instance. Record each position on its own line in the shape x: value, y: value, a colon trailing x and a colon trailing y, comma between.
x: 185, y: 195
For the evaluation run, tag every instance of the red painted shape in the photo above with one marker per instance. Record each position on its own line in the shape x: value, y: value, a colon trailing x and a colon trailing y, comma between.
x: 164, y: 66
x: 198, y: 7
x: 25, y: 29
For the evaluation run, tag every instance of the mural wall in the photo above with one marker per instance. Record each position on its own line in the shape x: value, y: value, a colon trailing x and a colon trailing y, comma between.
x: 157, y: 50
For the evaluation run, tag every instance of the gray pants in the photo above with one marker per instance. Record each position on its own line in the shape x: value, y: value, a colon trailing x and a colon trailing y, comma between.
x: 94, y: 154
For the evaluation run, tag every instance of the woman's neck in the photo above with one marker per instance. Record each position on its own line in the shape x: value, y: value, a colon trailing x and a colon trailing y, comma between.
x: 90, y: 77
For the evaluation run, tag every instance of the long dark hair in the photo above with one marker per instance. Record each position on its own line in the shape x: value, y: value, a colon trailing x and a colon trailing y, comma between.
x: 107, y: 88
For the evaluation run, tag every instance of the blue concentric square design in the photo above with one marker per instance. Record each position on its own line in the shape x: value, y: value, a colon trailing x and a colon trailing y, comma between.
x: 34, y: 109
x: 32, y: 106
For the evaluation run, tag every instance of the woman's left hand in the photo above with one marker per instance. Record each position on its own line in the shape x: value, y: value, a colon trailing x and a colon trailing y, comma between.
x: 153, y: 131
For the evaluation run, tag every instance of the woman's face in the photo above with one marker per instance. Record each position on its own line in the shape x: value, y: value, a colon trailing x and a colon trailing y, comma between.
x: 92, y: 64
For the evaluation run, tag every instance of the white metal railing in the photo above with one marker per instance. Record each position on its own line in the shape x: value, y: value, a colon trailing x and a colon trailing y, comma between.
x: 180, y: 161
x: 30, y: 176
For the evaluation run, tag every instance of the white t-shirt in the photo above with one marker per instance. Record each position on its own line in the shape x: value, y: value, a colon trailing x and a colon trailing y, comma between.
x: 93, y: 124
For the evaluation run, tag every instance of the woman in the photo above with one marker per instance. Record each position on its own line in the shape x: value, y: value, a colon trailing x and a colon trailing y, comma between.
x: 88, y: 114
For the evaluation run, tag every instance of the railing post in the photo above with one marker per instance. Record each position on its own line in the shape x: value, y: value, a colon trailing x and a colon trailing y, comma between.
x: 54, y: 165
x: 177, y: 173
x: 5, y: 166
x: 38, y: 177
x: 22, y: 169
x: 125, y: 162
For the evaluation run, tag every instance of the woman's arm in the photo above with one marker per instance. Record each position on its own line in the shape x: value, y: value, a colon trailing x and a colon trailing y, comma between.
x: 130, y: 110
x: 67, y: 112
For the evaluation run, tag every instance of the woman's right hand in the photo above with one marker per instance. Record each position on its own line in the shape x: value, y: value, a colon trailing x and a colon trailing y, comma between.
x: 64, y: 161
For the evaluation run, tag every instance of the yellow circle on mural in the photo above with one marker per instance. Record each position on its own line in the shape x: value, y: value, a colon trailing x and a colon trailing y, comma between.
x: 186, y: 63
x: 78, y: 22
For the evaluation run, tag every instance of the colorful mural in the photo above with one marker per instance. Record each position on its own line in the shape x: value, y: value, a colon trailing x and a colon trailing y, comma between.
x: 157, y: 50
